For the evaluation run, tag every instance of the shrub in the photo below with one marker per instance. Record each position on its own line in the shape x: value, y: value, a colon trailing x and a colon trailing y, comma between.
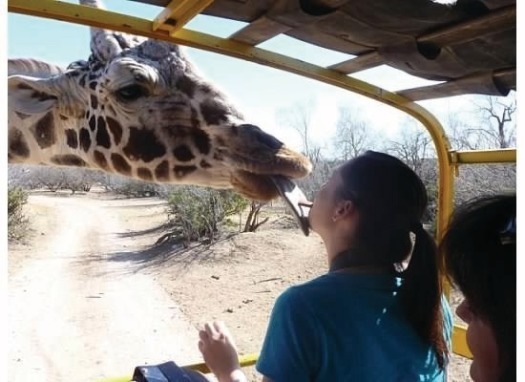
x: 16, y: 199
x: 131, y: 188
x: 197, y: 213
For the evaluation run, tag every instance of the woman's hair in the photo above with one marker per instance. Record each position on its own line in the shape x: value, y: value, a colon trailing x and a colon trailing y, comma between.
x: 479, y: 247
x: 391, y: 200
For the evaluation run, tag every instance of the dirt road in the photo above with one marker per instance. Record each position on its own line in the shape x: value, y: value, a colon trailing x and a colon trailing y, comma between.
x: 79, y: 309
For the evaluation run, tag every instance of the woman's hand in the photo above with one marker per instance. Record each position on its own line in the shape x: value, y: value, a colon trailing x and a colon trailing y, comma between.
x: 220, y: 353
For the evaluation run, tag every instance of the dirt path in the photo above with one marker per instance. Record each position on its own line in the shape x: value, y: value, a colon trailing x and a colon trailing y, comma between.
x: 74, y: 315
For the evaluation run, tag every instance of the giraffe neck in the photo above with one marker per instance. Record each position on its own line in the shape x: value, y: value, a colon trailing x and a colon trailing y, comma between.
x: 48, y: 138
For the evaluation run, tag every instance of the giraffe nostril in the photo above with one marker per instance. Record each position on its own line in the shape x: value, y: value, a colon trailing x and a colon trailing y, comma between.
x: 270, y: 141
x: 261, y: 137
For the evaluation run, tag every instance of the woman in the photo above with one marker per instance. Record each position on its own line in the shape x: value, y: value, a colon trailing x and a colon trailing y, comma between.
x: 378, y: 314
x: 480, y: 254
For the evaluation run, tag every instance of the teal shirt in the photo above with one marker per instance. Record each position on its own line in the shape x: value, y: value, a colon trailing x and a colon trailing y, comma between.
x: 346, y: 327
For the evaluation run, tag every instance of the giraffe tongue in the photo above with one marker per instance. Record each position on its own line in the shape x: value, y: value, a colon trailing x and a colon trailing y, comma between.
x: 295, y: 199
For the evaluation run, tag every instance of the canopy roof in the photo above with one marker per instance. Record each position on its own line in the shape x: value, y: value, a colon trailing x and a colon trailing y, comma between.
x: 470, y: 45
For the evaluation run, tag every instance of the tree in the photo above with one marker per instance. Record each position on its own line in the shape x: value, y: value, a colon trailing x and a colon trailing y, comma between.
x: 498, y: 128
x: 353, y: 137
x: 299, y: 118
x: 412, y: 147
x: 460, y: 135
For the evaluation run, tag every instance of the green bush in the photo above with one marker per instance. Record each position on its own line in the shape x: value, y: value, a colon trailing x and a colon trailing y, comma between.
x: 16, y: 199
x: 197, y: 213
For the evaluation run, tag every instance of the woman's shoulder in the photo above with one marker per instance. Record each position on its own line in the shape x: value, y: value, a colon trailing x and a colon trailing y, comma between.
x: 333, y: 284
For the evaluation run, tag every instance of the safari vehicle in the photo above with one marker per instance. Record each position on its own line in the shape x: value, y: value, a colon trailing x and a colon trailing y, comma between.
x: 469, y: 46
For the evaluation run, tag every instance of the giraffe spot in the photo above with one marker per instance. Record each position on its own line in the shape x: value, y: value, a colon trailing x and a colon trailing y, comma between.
x: 103, y: 138
x: 71, y: 138
x: 205, y: 164
x: 85, y: 139
x: 94, y: 102
x: 92, y: 85
x: 182, y: 171
x: 183, y: 153
x: 100, y: 160
x: 86, y: 114
x: 73, y: 73
x: 214, y: 112
x: 18, y: 145
x: 82, y: 81
x: 115, y: 128
x: 162, y: 171
x: 63, y: 117
x: 97, y: 66
x: 186, y: 85
x: 44, y: 131
x: 144, y: 173
x: 92, y: 122
x: 23, y: 86
x: 144, y: 145
x: 220, y: 142
x: 202, y: 140
x: 68, y: 160
x: 120, y: 164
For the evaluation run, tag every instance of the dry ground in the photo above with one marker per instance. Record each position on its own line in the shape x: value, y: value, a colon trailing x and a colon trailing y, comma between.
x: 91, y: 296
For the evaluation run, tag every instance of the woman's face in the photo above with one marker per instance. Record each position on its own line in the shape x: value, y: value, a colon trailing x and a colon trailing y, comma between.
x: 322, y: 211
x: 482, y: 343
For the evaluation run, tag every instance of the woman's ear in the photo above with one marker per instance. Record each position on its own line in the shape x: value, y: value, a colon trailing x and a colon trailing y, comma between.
x: 344, y: 209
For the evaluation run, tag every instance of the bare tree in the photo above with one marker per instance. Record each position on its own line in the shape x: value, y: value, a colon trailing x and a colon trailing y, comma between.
x: 353, y: 136
x: 460, y: 135
x: 490, y: 125
x: 299, y: 118
x: 413, y: 146
x: 498, y: 126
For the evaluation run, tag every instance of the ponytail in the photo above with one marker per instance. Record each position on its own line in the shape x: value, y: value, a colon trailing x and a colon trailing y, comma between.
x: 421, y: 293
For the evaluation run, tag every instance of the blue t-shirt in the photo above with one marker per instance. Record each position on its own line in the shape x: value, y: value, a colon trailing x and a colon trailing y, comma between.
x: 346, y: 327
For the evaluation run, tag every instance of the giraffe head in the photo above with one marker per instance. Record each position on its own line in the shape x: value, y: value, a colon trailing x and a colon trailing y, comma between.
x: 139, y: 108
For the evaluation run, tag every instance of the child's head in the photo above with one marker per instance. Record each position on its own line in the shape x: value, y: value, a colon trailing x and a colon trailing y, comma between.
x: 480, y: 256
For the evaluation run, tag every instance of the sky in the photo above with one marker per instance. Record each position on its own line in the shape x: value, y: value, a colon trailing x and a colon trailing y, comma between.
x: 260, y: 92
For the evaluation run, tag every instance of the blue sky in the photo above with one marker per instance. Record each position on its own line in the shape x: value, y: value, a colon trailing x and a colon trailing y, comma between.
x: 259, y: 91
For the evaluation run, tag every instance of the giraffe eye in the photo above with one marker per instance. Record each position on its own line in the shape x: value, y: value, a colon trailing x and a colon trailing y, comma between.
x: 131, y: 93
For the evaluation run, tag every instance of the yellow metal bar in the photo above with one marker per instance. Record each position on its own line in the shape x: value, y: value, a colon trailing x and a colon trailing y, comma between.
x: 484, y: 156
x: 459, y: 340
x: 182, y: 11
x: 244, y: 361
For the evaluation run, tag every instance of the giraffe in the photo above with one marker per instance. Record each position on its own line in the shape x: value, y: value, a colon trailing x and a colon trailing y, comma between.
x: 138, y: 107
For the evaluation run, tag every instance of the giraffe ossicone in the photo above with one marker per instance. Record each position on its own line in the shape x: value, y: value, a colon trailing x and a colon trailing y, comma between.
x: 139, y: 108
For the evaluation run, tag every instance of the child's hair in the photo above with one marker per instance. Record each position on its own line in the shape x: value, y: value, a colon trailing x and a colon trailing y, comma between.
x: 391, y: 200
x: 479, y: 248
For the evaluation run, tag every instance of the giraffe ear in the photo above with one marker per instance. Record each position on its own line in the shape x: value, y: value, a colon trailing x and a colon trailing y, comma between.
x: 30, y: 95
